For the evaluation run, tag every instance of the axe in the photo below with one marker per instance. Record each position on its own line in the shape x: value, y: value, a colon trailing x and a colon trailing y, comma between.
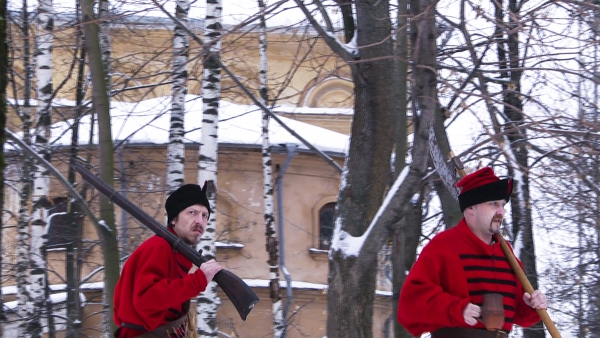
x: 446, y: 171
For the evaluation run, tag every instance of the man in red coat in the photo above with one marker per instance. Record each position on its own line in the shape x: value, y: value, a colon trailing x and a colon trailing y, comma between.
x: 443, y: 292
x: 153, y: 292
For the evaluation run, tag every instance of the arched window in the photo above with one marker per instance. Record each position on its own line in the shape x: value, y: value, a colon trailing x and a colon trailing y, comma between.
x: 61, y: 229
x: 326, y: 224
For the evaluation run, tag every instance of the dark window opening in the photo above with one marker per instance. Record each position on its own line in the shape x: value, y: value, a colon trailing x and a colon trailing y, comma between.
x: 326, y: 225
x: 62, y: 227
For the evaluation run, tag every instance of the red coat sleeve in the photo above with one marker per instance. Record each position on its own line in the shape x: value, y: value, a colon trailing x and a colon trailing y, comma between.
x: 149, y: 286
x: 423, y: 305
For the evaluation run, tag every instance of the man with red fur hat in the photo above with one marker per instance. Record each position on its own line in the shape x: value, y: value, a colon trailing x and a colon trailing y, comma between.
x: 443, y: 292
x: 154, y: 290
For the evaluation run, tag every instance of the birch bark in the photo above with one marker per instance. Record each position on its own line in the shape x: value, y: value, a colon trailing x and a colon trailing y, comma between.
x: 23, y: 261
x: 270, y: 230
x: 208, y: 301
x: 176, y: 147
x: 41, y: 183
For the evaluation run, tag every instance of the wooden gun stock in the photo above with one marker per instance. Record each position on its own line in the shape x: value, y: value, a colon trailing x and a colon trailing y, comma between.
x: 240, y: 294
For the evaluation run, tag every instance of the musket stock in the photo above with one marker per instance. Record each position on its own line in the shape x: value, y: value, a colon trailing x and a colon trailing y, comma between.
x: 240, y: 294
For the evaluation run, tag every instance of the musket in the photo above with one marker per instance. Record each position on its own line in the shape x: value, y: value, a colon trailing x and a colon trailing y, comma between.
x: 240, y: 294
x: 448, y: 176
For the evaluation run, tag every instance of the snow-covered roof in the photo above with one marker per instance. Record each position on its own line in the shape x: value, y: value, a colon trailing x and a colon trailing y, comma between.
x: 147, y: 122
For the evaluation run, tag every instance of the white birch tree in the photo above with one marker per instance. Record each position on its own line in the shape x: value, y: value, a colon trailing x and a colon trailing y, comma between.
x: 208, y: 301
x: 41, y: 183
x: 176, y: 146
x: 270, y: 230
x: 23, y: 260
x: 104, y: 37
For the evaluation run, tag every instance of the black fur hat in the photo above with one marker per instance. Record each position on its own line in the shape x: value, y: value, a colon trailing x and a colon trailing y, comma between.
x: 187, y: 195
x: 483, y: 186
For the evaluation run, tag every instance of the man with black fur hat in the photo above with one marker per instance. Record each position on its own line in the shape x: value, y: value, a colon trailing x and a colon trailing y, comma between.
x: 443, y: 292
x: 154, y: 290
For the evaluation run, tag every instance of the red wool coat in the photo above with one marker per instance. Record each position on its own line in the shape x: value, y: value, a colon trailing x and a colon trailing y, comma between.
x: 453, y: 269
x: 153, y: 286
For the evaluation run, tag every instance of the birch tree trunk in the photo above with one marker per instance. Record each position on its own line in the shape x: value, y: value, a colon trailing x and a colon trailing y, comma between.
x: 270, y: 230
x: 176, y: 147
x: 3, y: 85
x: 23, y: 260
x: 101, y: 107
x: 41, y: 183
x: 208, y: 301
x: 104, y: 38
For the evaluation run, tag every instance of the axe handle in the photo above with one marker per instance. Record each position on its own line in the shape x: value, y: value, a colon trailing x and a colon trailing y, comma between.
x: 514, y: 264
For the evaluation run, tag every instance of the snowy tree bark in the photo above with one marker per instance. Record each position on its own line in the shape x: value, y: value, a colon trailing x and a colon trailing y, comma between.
x: 176, y: 147
x: 270, y: 230
x: 101, y: 106
x: 41, y: 183
x: 366, y: 174
x: 208, y: 301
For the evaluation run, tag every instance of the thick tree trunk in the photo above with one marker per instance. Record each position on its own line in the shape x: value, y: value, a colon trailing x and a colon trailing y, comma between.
x: 101, y: 107
x: 366, y: 174
x: 208, y: 302
x: 176, y: 147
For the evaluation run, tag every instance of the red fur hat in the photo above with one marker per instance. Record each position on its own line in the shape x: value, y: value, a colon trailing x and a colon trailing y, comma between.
x: 483, y: 186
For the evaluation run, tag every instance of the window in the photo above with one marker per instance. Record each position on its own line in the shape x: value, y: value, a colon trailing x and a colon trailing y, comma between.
x: 326, y: 224
x: 61, y: 231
